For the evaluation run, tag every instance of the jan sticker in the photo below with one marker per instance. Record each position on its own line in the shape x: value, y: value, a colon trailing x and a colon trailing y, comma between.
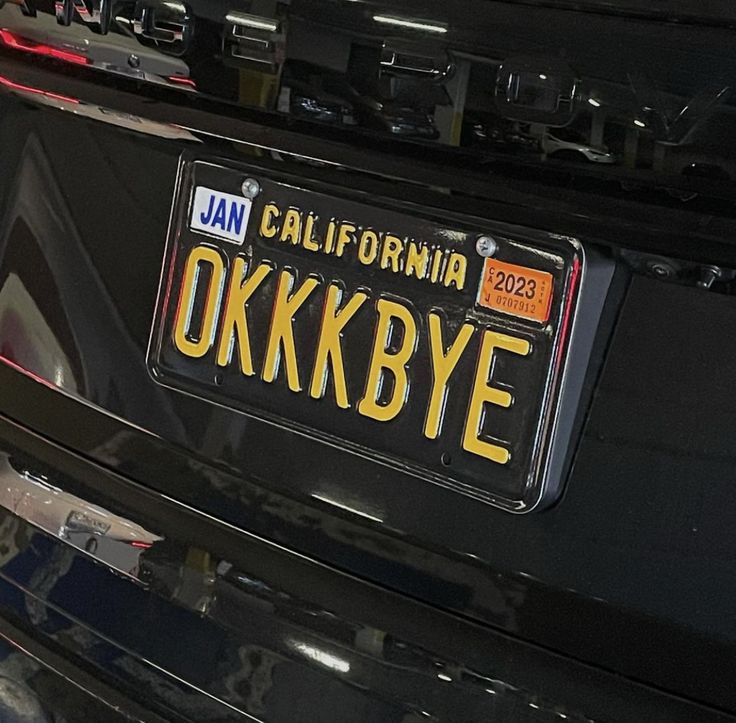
x: 220, y: 214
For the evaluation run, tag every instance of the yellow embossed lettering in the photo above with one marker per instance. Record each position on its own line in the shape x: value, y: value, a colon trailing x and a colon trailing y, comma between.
x: 330, y: 238
x: 270, y: 213
x: 483, y: 394
x: 281, y: 334
x: 457, y: 266
x: 443, y: 364
x: 329, y: 346
x: 291, y: 227
x: 391, y: 253
x: 437, y: 259
x: 307, y: 238
x: 344, y: 237
x: 199, y: 257
x: 368, y: 247
x: 235, y: 323
x: 417, y: 260
x: 383, y: 362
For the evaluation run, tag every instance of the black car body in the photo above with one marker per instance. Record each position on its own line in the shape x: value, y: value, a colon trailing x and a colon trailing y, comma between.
x: 176, y: 547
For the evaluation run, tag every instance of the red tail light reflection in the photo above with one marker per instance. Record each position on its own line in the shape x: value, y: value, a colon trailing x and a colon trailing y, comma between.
x: 49, y: 51
x: 179, y: 80
x: 28, y: 89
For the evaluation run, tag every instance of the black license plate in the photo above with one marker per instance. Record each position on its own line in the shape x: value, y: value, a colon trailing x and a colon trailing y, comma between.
x: 429, y: 342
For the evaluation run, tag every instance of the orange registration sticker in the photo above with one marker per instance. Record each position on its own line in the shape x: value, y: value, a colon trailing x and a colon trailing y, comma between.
x: 516, y: 290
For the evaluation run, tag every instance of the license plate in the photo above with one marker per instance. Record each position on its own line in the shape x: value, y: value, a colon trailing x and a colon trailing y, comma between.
x: 429, y: 342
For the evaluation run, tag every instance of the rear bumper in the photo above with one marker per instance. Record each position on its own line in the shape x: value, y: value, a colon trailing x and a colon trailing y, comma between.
x: 223, y: 625
x: 40, y: 685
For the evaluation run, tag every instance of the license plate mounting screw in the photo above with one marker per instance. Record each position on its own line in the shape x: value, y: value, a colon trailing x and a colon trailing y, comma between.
x: 709, y: 274
x: 486, y: 246
x: 250, y: 188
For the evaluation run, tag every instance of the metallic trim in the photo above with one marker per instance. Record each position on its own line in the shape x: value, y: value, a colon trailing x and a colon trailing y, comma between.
x: 113, y: 540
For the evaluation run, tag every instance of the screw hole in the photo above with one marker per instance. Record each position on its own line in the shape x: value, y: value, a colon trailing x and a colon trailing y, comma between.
x: 446, y: 459
x: 218, y: 379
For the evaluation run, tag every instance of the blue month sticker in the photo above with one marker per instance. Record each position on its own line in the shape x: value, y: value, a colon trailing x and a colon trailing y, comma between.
x: 220, y: 214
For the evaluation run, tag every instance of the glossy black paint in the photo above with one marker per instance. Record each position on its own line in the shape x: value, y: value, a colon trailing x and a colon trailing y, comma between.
x: 40, y: 685
x: 631, y: 571
x: 228, y: 626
